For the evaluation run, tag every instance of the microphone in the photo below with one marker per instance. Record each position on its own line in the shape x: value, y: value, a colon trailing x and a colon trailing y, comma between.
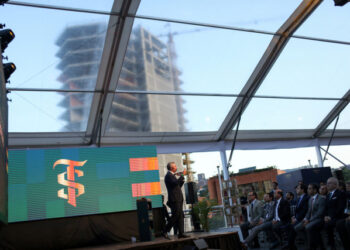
x: 181, y: 173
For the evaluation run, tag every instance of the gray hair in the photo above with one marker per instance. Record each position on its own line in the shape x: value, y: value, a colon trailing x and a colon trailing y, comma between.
x: 334, y: 180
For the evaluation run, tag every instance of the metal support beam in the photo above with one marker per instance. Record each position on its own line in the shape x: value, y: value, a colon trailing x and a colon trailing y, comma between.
x: 334, y: 157
x: 338, y: 108
x: 224, y: 165
x: 170, y: 93
x: 270, y: 56
x: 111, y: 63
x: 318, y: 154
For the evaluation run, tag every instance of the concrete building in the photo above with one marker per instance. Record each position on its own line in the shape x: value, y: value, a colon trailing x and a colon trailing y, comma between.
x: 201, y: 180
x: 149, y: 64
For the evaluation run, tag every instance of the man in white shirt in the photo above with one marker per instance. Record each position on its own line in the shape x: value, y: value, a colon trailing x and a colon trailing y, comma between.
x: 281, y: 215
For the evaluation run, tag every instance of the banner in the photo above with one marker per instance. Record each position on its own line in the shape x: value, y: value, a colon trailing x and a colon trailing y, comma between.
x: 52, y: 183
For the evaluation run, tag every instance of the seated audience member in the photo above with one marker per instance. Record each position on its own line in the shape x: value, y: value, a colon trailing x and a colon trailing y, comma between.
x: 290, y: 198
x: 255, y: 211
x: 265, y: 222
x: 323, y: 190
x: 300, y: 211
x: 274, y: 188
x: 335, y: 206
x: 313, y: 221
x: 281, y: 214
x: 342, y: 186
x: 291, y: 201
x: 244, y: 202
x: 343, y: 225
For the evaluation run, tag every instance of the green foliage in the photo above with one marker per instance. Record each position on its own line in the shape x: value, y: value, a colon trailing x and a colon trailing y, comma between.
x: 204, y: 192
x: 217, y: 220
x: 346, y: 174
x: 202, y: 209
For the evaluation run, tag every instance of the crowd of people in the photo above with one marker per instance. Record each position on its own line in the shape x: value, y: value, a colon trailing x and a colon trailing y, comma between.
x: 317, y: 208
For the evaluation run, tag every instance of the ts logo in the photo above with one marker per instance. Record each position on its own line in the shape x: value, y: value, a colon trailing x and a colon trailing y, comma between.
x: 68, y: 179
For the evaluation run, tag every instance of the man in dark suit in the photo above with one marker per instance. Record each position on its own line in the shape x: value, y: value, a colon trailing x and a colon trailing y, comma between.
x: 274, y: 188
x: 343, y: 225
x: 301, y: 208
x: 335, y: 206
x: 281, y: 215
x: 175, y: 200
x: 313, y: 220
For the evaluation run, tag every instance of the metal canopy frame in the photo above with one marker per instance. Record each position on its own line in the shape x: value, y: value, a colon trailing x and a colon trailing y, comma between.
x: 120, y: 24
x: 338, y: 108
x: 111, y: 64
x: 270, y: 56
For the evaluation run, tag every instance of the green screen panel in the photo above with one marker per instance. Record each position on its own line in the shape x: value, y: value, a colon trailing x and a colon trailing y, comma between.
x: 53, y: 183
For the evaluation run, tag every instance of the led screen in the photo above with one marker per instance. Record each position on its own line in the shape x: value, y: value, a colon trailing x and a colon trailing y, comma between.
x: 52, y: 183
x: 3, y: 149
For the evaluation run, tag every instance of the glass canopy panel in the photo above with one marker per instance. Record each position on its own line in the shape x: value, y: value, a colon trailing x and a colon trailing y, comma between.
x: 54, y: 49
x: 176, y: 57
x: 101, y: 5
x: 265, y: 15
x: 309, y: 68
x: 344, y: 120
x: 48, y: 111
x: 327, y: 21
x: 269, y: 114
x: 167, y: 113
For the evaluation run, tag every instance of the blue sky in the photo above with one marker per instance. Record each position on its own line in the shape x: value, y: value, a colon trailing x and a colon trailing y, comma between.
x: 211, y: 60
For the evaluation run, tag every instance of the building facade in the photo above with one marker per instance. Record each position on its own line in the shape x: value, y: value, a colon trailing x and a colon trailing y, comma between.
x: 259, y: 180
x: 149, y: 64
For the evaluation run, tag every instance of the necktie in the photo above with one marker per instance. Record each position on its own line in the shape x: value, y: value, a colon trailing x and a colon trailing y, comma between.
x: 251, y: 210
x: 299, y: 201
x: 330, y: 195
x: 312, y: 205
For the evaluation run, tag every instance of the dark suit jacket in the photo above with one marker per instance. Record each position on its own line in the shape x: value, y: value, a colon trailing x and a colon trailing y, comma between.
x: 283, y: 211
x: 317, y: 210
x: 301, y: 208
x: 335, y: 205
x: 173, y: 185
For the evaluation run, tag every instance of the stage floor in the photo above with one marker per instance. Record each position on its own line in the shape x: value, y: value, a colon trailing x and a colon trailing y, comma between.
x: 161, y: 243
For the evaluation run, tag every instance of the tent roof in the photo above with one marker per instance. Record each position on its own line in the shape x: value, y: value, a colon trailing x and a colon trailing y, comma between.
x: 178, y: 73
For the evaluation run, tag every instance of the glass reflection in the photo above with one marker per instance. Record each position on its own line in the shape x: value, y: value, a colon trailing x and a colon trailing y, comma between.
x: 167, y: 113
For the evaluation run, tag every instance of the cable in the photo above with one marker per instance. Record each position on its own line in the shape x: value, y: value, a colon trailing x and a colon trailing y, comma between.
x: 49, y: 115
x: 56, y: 61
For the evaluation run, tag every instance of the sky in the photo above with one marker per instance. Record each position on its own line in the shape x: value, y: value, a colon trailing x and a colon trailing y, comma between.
x: 210, y: 59
x: 280, y: 158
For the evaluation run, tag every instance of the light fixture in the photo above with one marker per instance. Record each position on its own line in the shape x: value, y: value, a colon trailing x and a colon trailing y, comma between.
x: 6, y: 36
x: 9, y: 68
x: 340, y: 2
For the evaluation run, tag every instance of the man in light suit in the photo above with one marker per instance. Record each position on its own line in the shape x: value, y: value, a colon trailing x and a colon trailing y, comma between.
x: 313, y: 220
x: 175, y: 200
x: 255, y: 212
x: 265, y: 222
